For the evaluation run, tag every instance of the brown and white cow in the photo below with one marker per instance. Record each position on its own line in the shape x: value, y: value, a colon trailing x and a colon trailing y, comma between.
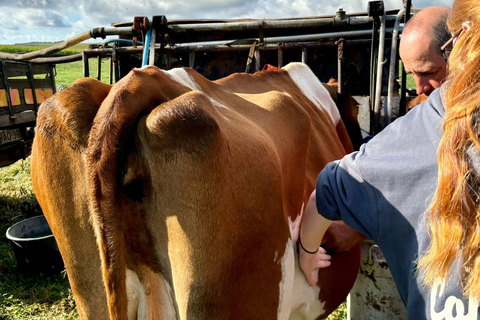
x: 195, y: 191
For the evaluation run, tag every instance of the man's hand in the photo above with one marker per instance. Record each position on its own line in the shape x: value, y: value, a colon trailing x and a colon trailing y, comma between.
x: 341, y: 237
x: 309, y: 263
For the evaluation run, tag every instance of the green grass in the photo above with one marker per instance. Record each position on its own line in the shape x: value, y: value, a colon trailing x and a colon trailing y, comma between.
x: 67, y: 73
x: 25, y: 49
x: 26, y: 296
x: 410, y: 81
x: 340, y: 313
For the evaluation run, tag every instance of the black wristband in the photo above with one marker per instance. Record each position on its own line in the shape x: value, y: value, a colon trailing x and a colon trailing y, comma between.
x: 303, y: 248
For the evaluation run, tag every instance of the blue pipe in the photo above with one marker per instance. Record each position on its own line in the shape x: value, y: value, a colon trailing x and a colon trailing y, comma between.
x: 146, y: 47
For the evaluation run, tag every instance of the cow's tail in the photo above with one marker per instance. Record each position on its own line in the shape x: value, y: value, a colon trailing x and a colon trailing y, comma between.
x: 140, y: 91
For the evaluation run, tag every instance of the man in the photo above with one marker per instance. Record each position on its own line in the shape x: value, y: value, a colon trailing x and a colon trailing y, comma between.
x: 422, y: 37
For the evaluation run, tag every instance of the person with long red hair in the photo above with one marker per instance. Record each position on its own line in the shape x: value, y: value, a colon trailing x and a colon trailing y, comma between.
x: 414, y: 190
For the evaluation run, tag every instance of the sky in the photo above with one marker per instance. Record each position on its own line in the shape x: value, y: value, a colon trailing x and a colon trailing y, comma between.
x: 24, y: 21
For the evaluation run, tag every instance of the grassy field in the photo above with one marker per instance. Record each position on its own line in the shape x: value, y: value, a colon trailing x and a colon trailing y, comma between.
x: 26, y: 296
x: 67, y: 73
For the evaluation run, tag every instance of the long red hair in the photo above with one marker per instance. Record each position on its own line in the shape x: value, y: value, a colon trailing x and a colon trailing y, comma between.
x: 454, y: 214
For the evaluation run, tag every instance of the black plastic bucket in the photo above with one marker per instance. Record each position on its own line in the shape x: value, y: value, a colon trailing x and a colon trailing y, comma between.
x: 34, y: 246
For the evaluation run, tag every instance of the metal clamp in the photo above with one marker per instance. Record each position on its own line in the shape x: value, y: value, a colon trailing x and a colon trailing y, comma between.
x: 375, y: 254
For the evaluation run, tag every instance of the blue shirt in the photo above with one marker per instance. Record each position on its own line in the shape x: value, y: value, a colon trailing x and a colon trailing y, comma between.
x: 383, y: 190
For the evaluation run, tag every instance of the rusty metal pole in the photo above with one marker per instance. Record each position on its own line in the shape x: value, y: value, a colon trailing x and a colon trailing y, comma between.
x: 250, y: 57
x: 340, y: 64
x: 280, y: 58
x: 257, y: 60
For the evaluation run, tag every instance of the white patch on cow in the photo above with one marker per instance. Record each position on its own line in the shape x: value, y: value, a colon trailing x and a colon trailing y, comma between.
x: 286, y: 284
x: 181, y: 76
x: 137, y: 303
x: 312, y: 88
x: 159, y: 296
x: 295, y: 225
x: 304, y: 303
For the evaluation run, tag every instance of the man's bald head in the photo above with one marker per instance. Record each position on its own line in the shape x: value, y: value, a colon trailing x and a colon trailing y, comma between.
x: 432, y: 21
x: 422, y: 38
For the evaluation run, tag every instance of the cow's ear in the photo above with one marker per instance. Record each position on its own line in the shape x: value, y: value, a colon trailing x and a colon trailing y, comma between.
x: 186, y: 124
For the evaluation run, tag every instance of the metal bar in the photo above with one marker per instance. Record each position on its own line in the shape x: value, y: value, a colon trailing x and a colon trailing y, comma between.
x: 257, y: 60
x: 280, y: 58
x: 151, y: 58
x: 379, y: 76
x: 268, y: 24
x: 403, y: 88
x: 191, y: 59
x: 169, y: 58
x: 204, y: 47
x: 304, y: 55
x: 340, y: 65
x: 111, y: 70
x: 393, y: 63
x: 99, y: 68
x: 52, y: 77
x: 236, y: 44
x: 32, y: 85
x: 86, y: 70
x: 7, y: 89
x: 373, y: 64
x: 250, y: 57
x: 115, y: 65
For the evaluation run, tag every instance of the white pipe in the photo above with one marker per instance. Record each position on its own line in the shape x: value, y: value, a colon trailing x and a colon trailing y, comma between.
x: 66, y: 44
x: 393, y: 60
x: 151, y: 59
x: 380, y: 63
